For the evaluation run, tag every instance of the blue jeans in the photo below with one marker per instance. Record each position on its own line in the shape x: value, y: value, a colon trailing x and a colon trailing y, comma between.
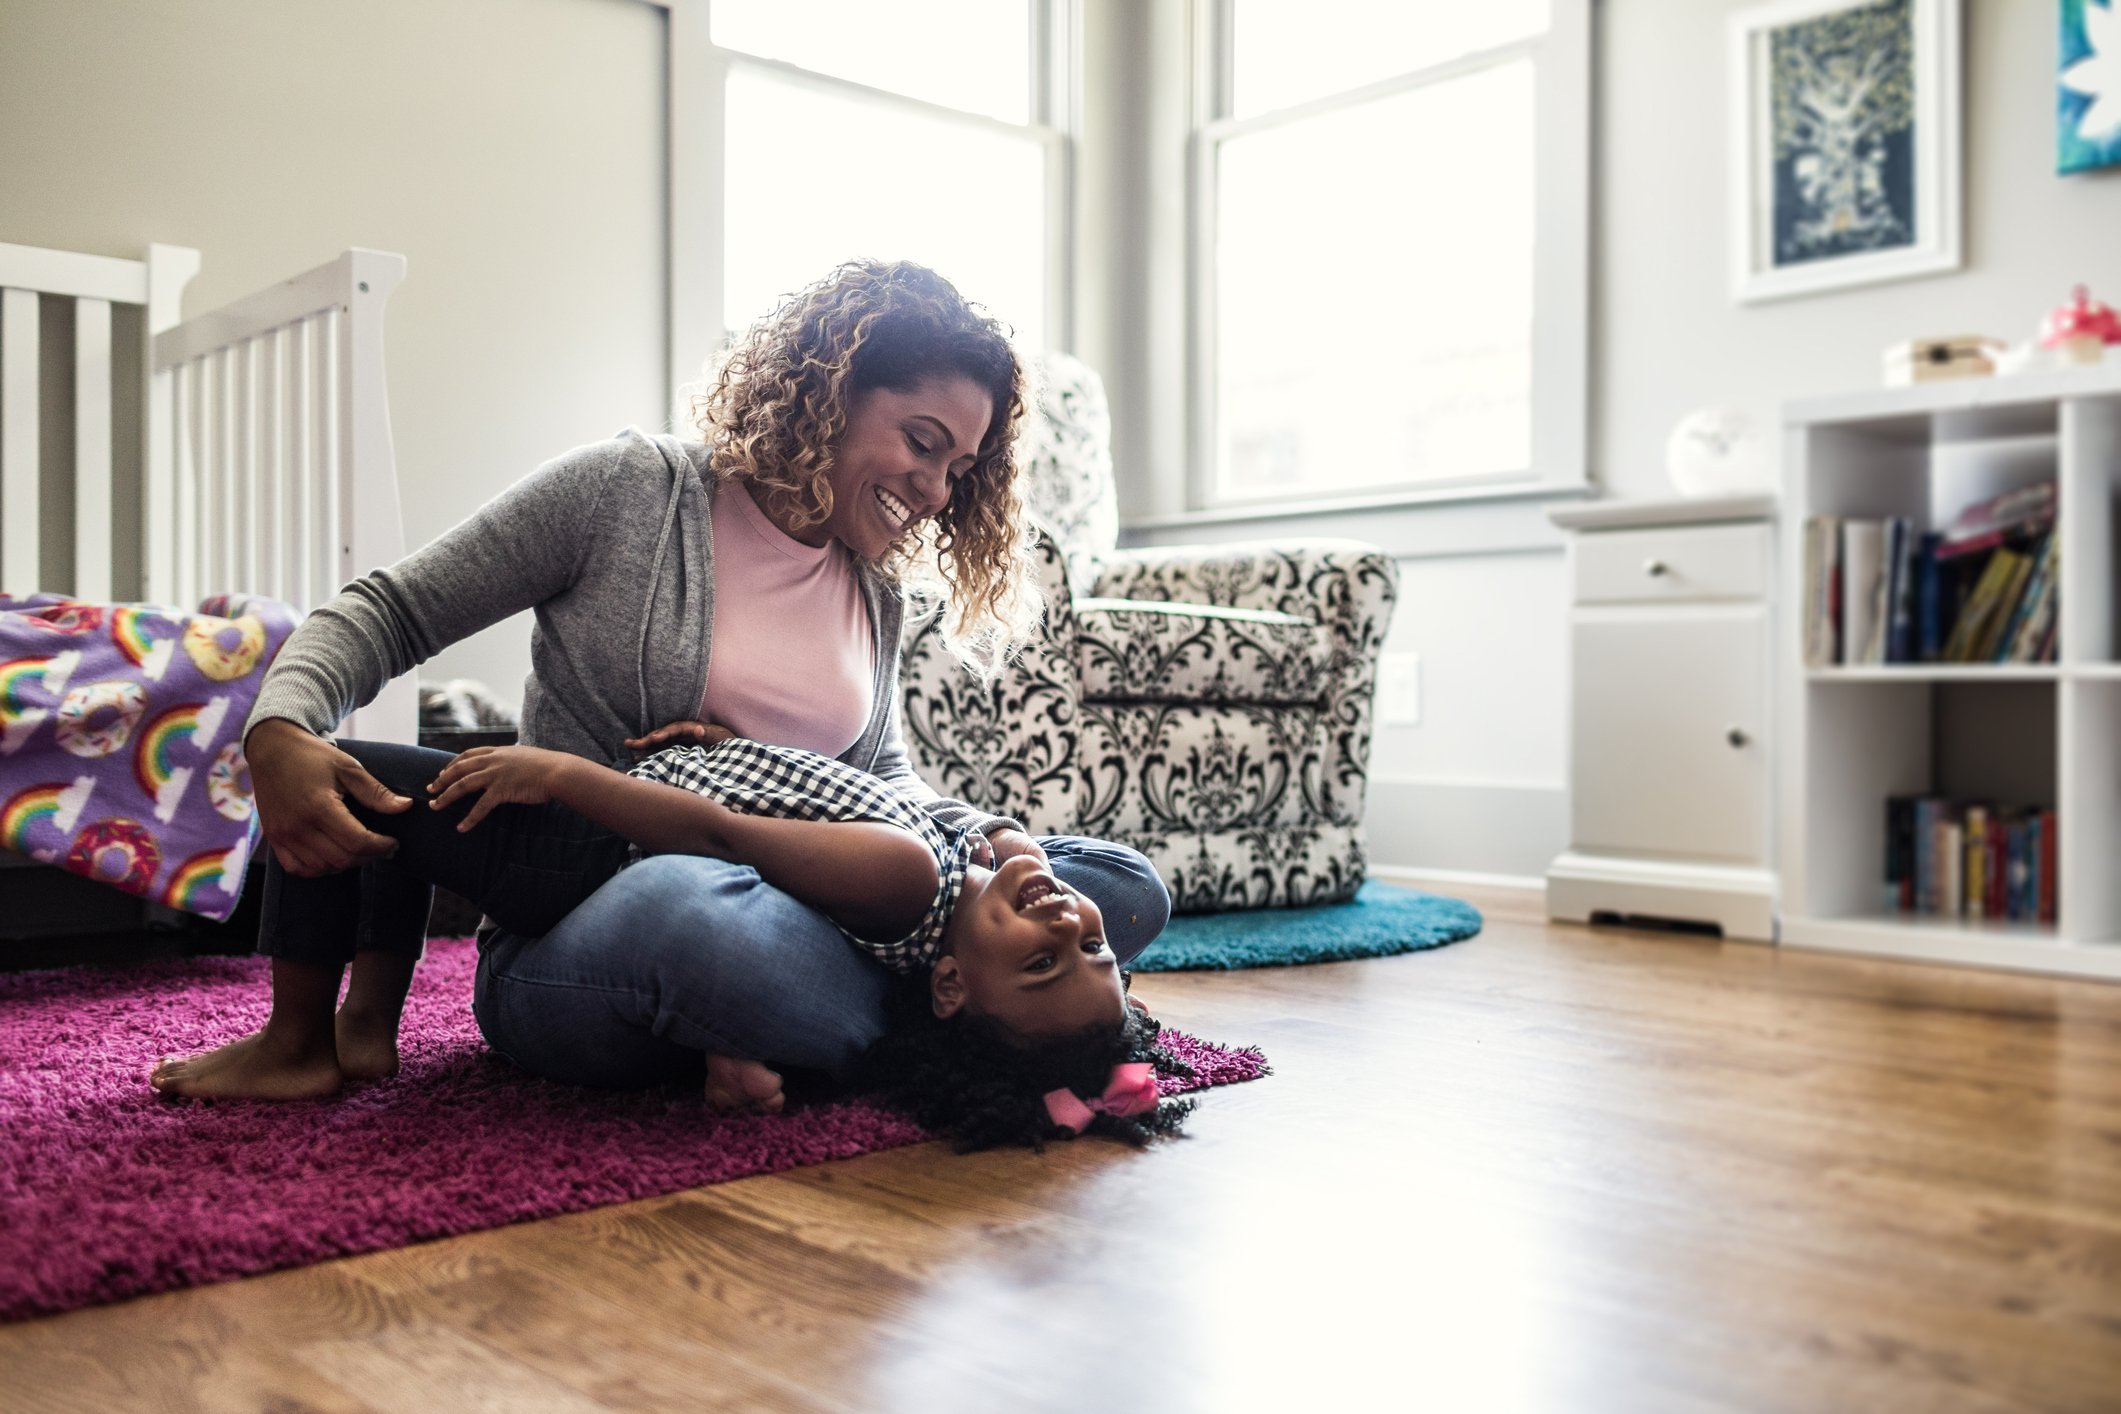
x: 679, y: 956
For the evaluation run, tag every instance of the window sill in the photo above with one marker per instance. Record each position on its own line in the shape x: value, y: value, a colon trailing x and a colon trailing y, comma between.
x: 1342, y: 505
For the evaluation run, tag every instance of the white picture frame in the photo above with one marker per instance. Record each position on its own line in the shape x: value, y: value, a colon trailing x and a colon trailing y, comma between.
x: 1862, y: 184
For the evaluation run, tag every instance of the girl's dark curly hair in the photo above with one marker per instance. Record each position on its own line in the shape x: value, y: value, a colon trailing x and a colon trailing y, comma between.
x: 777, y: 402
x: 968, y: 1079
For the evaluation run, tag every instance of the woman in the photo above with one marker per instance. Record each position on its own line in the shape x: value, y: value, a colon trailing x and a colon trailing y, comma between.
x: 857, y: 441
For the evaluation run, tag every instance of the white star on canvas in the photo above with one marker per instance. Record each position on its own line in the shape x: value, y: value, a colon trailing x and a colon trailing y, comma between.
x: 2098, y: 74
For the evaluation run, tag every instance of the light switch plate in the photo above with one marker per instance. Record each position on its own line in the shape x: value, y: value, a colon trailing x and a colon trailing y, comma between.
x: 1399, y: 689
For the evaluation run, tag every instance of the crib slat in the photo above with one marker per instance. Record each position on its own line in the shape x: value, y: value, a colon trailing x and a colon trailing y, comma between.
x: 92, y: 449
x: 326, y: 555
x: 220, y: 507
x: 265, y: 521
x: 20, y: 513
x: 243, y: 558
x: 184, y: 480
x: 298, y: 454
x: 286, y: 494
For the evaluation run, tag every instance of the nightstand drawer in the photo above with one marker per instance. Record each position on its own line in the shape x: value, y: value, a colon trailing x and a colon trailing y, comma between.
x: 1693, y: 562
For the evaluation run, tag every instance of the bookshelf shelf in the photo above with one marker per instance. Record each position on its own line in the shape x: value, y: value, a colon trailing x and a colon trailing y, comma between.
x: 2013, y: 735
x: 1939, y: 672
x: 1984, y: 943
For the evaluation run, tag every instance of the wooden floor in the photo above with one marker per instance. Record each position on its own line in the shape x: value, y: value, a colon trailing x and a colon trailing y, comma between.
x: 1548, y: 1169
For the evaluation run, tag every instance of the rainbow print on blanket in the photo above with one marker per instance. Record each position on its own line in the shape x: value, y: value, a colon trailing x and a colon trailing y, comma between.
x: 121, y: 754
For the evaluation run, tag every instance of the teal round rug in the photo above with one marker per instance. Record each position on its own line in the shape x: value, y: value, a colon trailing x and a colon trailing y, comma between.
x: 1380, y: 920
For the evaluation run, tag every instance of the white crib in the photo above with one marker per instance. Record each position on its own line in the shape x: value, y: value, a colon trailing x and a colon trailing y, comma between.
x: 260, y: 432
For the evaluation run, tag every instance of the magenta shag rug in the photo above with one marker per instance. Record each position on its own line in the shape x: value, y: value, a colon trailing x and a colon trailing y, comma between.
x: 108, y: 1190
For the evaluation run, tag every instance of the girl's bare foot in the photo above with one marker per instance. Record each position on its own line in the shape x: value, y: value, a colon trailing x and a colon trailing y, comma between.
x: 367, y: 1044
x: 742, y: 1087
x: 261, y: 1066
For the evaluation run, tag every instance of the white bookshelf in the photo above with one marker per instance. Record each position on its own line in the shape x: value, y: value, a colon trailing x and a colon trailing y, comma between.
x: 2018, y: 734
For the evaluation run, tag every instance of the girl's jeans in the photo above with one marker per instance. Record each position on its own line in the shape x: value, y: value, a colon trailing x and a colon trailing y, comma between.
x: 675, y: 956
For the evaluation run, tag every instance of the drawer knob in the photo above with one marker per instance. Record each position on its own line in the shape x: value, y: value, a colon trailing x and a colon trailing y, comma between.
x: 1655, y: 568
x: 1736, y: 736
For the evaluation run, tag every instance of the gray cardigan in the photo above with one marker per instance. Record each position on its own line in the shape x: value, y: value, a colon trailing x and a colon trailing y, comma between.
x: 612, y: 547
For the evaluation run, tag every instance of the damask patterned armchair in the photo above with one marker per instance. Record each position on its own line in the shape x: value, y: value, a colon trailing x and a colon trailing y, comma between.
x: 1209, y: 705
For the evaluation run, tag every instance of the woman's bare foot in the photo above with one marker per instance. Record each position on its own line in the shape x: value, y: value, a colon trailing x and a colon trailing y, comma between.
x: 742, y: 1087
x: 367, y: 1044
x: 261, y: 1066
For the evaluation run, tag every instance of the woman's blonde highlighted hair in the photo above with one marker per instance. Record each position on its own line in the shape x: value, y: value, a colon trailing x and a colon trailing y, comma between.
x: 776, y: 405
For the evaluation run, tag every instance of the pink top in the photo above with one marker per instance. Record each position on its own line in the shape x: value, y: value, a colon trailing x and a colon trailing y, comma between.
x: 793, y: 660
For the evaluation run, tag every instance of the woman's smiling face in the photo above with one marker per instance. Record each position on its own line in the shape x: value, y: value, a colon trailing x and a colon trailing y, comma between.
x: 1028, y: 952
x: 897, y: 458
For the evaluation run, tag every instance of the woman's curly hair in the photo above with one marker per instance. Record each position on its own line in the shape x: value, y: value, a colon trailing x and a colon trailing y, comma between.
x: 968, y: 1079
x: 776, y: 404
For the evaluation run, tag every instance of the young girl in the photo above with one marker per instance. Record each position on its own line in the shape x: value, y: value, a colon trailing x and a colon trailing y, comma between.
x: 1026, y: 1030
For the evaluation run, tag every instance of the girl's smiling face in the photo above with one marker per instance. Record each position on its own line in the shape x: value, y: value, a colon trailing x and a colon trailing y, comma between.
x: 896, y: 458
x: 1029, y: 953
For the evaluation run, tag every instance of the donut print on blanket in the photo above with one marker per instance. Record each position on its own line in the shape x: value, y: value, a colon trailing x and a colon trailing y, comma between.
x: 69, y: 616
x: 228, y: 783
x: 98, y: 718
x: 224, y: 649
x: 118, y: 852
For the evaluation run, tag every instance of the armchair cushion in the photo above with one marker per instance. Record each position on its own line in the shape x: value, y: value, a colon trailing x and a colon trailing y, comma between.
x: 1146, y: 651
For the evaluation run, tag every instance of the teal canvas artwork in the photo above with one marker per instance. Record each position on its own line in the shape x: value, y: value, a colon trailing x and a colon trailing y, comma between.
x: 2088, y: 86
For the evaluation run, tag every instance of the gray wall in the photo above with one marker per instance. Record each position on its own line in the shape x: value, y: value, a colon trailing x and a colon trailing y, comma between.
x: 512, y: 150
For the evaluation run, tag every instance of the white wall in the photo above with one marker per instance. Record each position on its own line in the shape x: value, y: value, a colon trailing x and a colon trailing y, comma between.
x: 512, y: 150
x: 1480, y: 785
x: 1666, y: 336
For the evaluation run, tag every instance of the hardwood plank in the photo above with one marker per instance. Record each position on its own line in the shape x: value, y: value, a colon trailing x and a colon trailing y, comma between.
x: 1551, y: 1168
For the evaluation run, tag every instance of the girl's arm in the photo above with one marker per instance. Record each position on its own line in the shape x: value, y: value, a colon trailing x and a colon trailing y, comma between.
x: 871, y: 878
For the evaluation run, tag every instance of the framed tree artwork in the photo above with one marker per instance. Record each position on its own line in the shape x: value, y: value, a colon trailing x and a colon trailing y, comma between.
x: 1844, y: 144
x: 2088, y: 103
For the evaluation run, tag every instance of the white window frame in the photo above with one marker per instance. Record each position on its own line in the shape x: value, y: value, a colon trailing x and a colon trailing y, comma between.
x: 1561, y: 60
x: 695, y: 144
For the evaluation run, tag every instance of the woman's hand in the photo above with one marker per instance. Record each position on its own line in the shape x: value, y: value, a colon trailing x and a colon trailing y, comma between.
x: 677, y: 734
x: 1005, y: 844
x: 498, y: 775
x: 301, y: 783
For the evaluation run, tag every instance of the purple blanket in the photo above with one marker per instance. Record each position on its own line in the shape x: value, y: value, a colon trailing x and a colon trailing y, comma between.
x: 121, y: 741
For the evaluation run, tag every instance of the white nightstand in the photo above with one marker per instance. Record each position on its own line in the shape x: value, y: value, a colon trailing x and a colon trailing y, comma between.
x: 1670, y: 781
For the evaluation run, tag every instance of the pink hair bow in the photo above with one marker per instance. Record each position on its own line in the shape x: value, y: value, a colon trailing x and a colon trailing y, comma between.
x: 1131, y: 1091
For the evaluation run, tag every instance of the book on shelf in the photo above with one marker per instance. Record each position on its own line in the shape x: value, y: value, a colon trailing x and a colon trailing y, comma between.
x: 2030, y: 638
x: 1822, y: 598
x: 1967, y: 859
x: 2016, y: 514
x: 1882, y: 591
x: 1863, y: 591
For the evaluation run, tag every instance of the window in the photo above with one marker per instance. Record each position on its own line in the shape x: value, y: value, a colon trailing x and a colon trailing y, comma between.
x: 1390, y: 249
x: 923, y: 129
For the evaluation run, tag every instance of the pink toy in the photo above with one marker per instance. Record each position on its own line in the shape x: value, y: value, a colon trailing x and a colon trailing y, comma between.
x: 2081, y: 330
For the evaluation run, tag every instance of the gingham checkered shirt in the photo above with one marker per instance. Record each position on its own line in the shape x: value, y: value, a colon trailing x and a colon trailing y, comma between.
x: 788, y: 783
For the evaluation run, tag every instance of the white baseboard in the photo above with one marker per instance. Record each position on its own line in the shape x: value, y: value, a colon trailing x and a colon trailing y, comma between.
x: 1465, y: 831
